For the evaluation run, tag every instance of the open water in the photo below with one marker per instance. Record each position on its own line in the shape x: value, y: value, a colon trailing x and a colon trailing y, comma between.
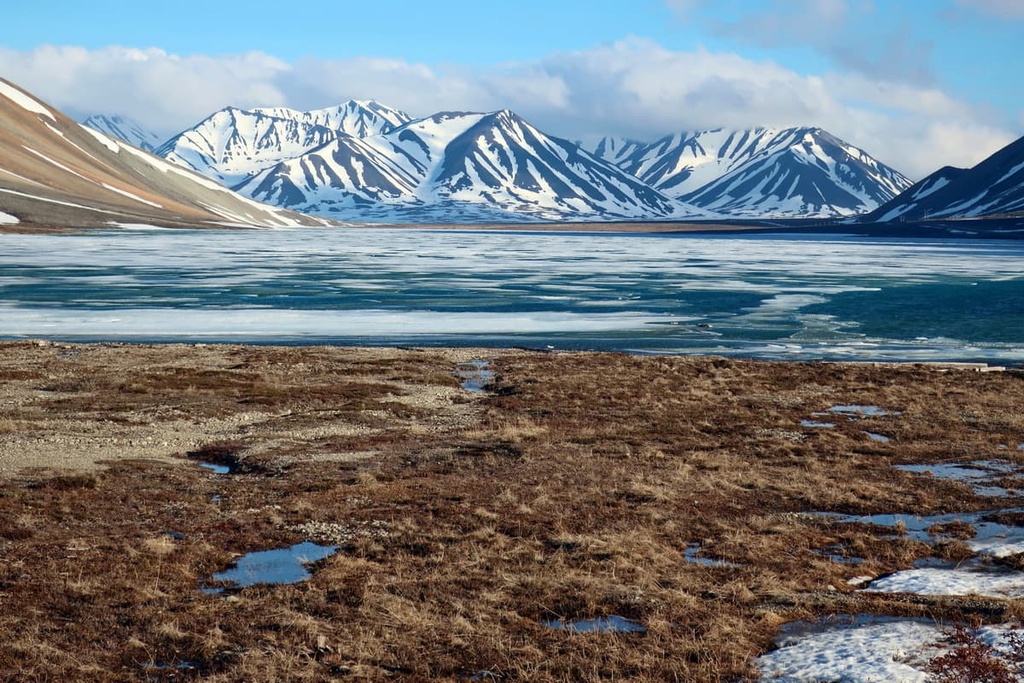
x: 779, y: 297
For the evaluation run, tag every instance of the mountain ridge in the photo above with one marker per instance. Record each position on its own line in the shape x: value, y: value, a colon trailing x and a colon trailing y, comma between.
x: 762, y: 172
x: 993, y: 187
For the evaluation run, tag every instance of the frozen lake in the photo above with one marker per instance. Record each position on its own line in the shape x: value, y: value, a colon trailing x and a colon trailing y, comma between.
x: 761, y: 296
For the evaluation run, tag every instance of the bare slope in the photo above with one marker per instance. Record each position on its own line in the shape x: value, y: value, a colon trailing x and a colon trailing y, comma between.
x: 57, y: 173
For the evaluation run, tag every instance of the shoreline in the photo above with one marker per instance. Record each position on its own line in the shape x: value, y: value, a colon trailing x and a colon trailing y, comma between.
x: 986, y: 229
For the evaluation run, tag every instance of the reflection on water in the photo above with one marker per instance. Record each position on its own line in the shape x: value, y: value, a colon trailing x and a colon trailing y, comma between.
x: 284, y: 565
x: 475, y: 375
x: 612, y: 624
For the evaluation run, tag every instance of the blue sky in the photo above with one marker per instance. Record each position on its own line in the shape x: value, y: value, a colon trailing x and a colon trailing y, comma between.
x: 919, y: 83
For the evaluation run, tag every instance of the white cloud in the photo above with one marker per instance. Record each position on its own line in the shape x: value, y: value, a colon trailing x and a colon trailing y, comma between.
x: 634, y: 88
x: 165, y: 91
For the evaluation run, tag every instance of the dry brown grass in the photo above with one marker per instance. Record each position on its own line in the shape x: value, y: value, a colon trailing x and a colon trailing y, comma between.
x: 572, y: 491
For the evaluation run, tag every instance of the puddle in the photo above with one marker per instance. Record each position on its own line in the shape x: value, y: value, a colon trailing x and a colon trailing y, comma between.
x: 272, y: 567
x: 691, y: 556
x: 977, y: 576
x: 990, y: 537
x: 475, y: 375
x: 835, y: 554
x: 215, y: 468
x: 857, y: 411
x: 975, y: 474
x: 813, y: 424
x: 612, y: 624
x: 880, y: 438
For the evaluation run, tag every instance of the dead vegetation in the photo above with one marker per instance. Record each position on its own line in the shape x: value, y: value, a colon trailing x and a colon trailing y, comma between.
x: 570, y: 491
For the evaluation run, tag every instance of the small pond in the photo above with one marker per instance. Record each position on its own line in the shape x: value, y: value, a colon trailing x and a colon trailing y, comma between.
x: 474, y: 375
x: 272, y: 567
x: 612, y: 624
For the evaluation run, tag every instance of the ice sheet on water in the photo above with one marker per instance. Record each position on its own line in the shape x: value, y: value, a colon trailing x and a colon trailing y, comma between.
x: 751, y: 288
x: 173, y: 323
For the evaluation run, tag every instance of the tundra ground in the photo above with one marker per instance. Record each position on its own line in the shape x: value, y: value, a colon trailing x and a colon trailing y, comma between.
x: 574, y: 487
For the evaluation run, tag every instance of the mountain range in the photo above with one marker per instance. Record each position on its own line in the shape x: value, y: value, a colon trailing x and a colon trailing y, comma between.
x: 366, y: 161
x: 56, y: 173
x: 369, y: 162
x: 761, y: 172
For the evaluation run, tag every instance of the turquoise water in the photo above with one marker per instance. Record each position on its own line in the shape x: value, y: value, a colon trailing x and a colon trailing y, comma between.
x: 760, y: 296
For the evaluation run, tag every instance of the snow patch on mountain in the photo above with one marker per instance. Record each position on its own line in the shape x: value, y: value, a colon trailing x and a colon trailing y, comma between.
x: 124, y: 129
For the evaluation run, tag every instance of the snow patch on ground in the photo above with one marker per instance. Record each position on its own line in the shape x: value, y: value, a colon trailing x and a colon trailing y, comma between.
x: 103, y: 139
x: 8, y: 219
x: 972, y: 579
x: 136, y: 197
x: 55, y: 201
x: 857, y: 652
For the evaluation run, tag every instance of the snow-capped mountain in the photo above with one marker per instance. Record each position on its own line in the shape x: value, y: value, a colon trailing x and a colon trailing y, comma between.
x: 761, y: 172
x: 366, y: 161
x: 57, y: 173
x: 124, y: 129
x: 234, y: 144
x: 360, y: 118
x: 492, y: 166
x: 995, y: 187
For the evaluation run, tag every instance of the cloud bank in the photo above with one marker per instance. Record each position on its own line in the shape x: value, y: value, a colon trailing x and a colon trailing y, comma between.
x: 634, y: 88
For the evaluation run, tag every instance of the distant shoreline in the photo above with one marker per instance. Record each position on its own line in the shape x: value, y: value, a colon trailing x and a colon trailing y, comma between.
x: 1009, y: 229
